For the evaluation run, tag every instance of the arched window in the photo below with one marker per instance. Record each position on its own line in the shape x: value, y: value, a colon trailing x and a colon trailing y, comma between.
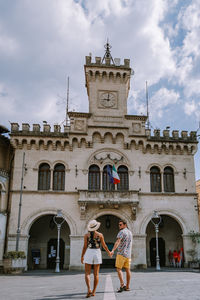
x: 155, y: 178
x: 94, y: 178
x: 123, y: 175
x: 59, y: 177
x: 107, y: 185
x: 168, y: 178
x: 44, y: 177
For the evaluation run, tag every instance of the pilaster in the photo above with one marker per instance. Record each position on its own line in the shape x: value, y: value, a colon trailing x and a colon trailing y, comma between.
x: 139, y: 252
x: 76, y: 245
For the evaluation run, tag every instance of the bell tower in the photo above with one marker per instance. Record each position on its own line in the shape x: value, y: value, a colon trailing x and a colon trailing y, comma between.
x: 107, y: 83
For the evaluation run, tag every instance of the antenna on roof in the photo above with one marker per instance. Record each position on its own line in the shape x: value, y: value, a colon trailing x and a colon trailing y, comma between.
x: 107, y: 52
x: 147, y: 101
x: 67, y: 106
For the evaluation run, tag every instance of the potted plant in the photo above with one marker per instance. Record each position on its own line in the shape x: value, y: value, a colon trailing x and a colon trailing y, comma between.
x: 14, y: 262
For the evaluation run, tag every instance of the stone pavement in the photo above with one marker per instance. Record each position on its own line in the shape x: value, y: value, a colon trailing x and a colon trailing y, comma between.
x: 145, y: 285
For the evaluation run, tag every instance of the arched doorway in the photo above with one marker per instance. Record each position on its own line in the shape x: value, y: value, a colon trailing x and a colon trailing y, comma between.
x: 42, y: 244
x: 170, y: 238
x: 109, y: 228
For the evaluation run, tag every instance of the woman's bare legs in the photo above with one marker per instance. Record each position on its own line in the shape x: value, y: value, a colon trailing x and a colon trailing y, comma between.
x: 96, y: 278
x: 87, y: 277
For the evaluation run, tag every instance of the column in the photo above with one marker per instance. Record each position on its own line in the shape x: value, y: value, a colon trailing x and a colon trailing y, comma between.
x: 187, y: 245
x: 139, y: 252
x: 76, y: 246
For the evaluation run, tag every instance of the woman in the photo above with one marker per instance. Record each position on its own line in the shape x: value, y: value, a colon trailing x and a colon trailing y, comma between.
x: 91, y: 254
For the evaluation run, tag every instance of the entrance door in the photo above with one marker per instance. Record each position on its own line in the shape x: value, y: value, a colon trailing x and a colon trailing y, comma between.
x: 52, y: 252
x: 161, y: 250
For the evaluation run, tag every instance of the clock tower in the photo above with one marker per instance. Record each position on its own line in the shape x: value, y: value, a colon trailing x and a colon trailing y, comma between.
x: 107, y: 83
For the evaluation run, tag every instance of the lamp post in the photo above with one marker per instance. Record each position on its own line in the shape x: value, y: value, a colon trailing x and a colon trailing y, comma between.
x: 58, y: 220
x: 20, y: 204
x: 156, y: 219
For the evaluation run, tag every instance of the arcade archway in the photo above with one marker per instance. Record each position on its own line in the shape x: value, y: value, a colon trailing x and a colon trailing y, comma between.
x: 109, y: 228
x: 42, y: 244
x: 170, y: 239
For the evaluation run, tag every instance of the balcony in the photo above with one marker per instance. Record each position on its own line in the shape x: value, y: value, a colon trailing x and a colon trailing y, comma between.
x: 108, y: 199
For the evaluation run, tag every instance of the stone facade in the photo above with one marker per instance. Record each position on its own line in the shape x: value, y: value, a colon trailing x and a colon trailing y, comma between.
x: 104, y: 136
x: 198, y: 195
x: 5, y: 169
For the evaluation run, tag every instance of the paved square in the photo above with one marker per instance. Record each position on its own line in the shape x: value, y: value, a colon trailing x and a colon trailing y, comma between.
x: 145, y: 285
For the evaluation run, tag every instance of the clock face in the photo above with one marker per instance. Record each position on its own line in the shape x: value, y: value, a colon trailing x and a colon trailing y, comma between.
x: 107, y: 99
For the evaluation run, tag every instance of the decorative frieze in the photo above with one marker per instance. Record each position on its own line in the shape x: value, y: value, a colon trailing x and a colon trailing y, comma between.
x: 108, y: 157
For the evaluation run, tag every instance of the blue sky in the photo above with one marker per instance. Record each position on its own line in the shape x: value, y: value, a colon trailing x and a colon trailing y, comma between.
x: 43, y: 42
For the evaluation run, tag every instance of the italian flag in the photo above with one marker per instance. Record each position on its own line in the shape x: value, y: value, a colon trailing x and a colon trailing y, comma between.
x: 115, y: 176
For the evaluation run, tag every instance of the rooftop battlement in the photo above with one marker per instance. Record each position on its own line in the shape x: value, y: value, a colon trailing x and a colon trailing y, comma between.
x: 36, y: 129
x: 192, y: 137
x: 65, y: 129
x: 108, y: 62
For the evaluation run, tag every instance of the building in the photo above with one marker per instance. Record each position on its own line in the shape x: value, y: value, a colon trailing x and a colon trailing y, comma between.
x: 6, y: 155
x: 198, y: 195
x: 66, y: 169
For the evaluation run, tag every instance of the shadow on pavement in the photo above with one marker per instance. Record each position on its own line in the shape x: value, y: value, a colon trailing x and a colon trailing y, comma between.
x: 67, y: 296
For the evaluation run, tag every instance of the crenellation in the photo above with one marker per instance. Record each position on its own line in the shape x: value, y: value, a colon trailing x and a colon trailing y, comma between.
x: 46, y: 128
x: 98, y: 60
x: 184, y: 134
x: 157, y: 133
x: 25, y: 127
x: 36, y: 127
x: 57, y: 128
x: 14, y: 127
x: 166, y: 133
x: 108, y: 62
x: 175, y: 134
x: 88, y: 60
x: 127, y: 63
x: 193, y: 135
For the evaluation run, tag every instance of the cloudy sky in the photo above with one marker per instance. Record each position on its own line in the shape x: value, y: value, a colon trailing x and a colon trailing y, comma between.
x: 44, y: 42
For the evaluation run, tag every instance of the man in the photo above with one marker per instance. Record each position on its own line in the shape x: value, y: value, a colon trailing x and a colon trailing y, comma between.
x: 123, y: 258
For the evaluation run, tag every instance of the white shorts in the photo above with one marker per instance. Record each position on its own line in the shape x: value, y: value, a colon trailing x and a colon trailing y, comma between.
x: 92, y: 257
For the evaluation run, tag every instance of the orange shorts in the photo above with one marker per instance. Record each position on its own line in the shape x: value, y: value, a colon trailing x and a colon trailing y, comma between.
x: 122, y: 262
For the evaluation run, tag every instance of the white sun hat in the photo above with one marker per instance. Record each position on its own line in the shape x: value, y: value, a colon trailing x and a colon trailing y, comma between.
x: 93, y: 225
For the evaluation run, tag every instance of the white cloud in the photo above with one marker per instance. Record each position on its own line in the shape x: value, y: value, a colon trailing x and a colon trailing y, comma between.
x: 161, y: 101
x: 43, y: 42
x: 8, y: 45
x: 192, y: 109
x: 188, y: 54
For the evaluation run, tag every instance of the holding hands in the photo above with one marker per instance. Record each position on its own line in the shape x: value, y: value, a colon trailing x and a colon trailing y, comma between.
x: 110, y: 253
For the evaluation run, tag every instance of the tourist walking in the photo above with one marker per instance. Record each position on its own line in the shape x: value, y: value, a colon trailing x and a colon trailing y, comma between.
x: 91, y: 254
x: 123, y: 259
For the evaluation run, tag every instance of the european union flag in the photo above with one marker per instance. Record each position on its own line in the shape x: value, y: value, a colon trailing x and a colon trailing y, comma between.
x: 111, y: 180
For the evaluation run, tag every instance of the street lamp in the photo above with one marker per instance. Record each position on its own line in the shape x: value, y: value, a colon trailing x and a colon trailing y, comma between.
x: 156, y: 219
x: 58, y: 220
